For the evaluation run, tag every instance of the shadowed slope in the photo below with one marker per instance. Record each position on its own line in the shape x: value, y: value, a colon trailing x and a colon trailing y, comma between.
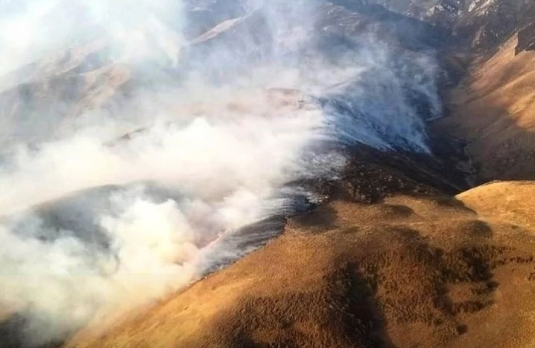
x: 493, y: 110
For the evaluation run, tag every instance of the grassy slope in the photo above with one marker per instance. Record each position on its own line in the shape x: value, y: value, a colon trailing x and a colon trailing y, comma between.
x: 411, y: 271
x: 493, y: 109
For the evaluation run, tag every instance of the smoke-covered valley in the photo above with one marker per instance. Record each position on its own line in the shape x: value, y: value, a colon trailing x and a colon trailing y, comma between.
x: 146, y: 145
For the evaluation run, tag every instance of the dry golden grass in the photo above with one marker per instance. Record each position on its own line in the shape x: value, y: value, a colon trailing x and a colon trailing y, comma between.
x: 408, y: 272
x: 512, y: 202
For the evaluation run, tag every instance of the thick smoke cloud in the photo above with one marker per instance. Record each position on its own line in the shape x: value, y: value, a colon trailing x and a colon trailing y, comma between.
x: 159, y: 200
x: 114, y: 206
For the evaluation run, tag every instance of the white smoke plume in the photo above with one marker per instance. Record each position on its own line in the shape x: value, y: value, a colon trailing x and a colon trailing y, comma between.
x: 33, y: 29
x: 126, y: 246
x: 114, y: 207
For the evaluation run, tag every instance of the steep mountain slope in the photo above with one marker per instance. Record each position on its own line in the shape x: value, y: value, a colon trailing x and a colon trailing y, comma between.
x: 367, y: 246
x: 411, y: 271
x: 477, y: 25
x: 493, y: 110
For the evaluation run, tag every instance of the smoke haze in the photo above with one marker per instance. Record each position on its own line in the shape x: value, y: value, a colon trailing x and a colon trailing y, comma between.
x: 108, y: 207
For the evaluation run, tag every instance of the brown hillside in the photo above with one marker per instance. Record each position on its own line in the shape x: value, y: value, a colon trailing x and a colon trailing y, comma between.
x: 506, y: 201
x: 408, y: 272
x: 493, y: 109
